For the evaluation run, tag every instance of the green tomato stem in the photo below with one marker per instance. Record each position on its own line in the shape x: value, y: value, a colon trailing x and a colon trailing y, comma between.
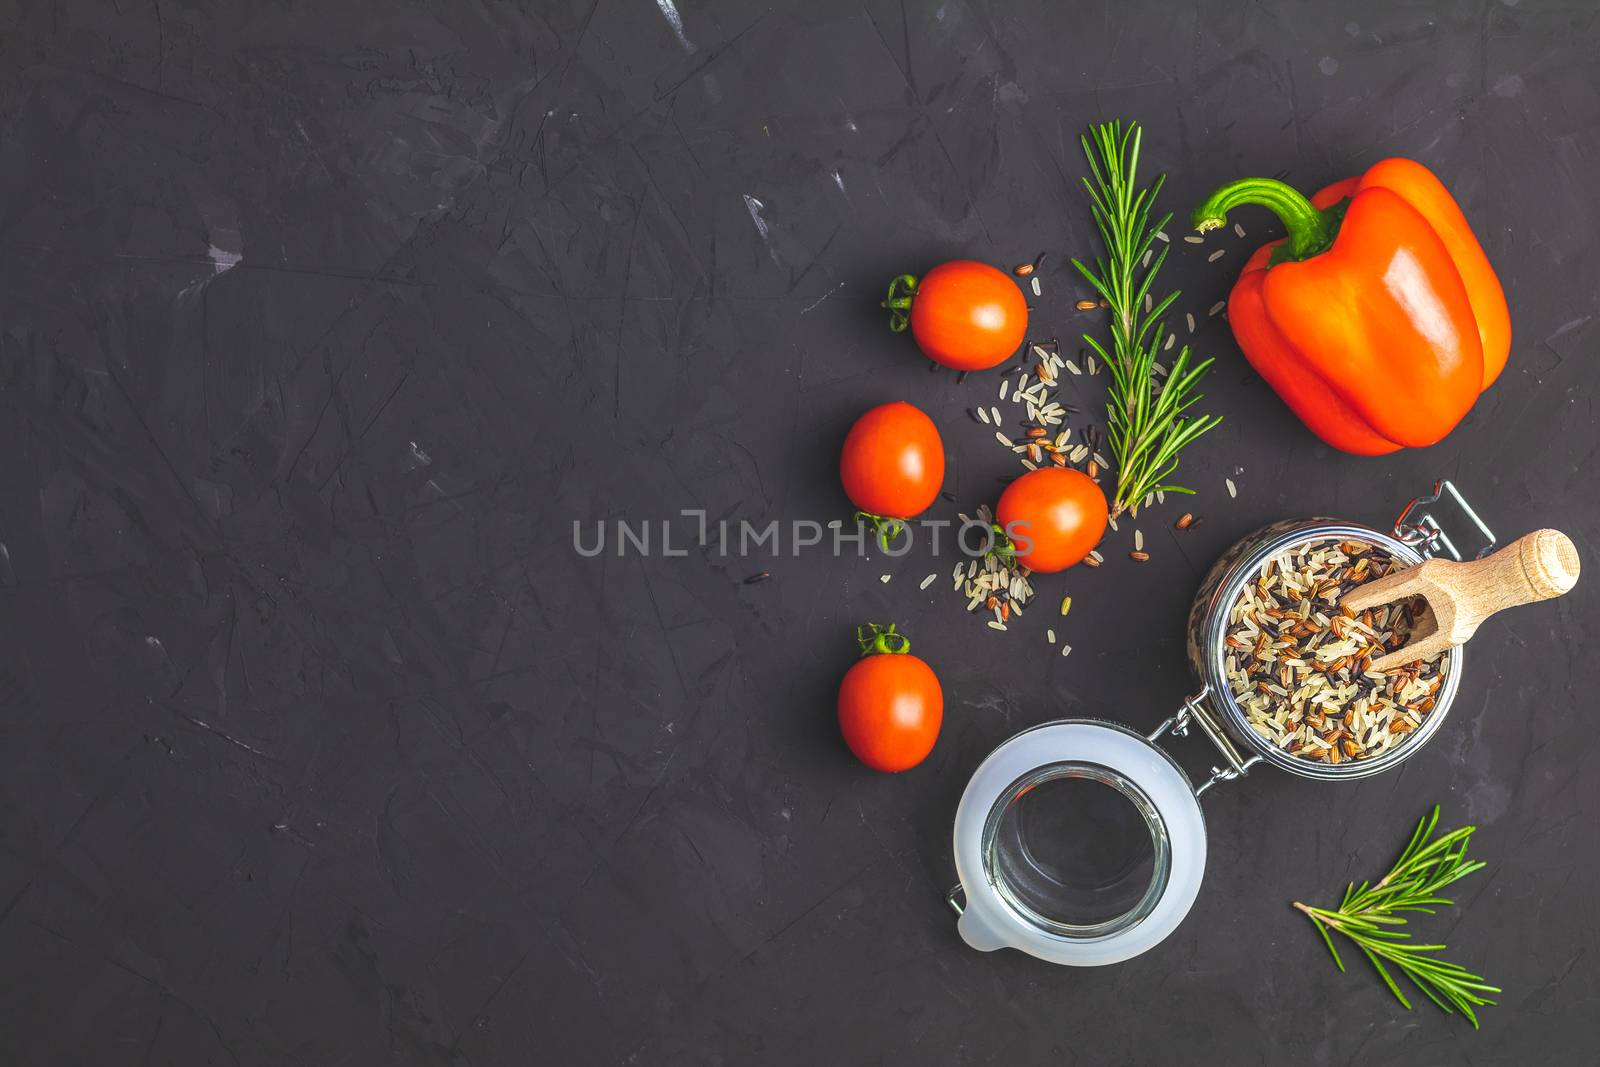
x: 876, y: 640
x: 902, y: 290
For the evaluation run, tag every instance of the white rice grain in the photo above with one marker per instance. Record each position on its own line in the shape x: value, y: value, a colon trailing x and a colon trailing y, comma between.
x: 1233, y: 490
x: 1218, y: 254
x: 927, y: 581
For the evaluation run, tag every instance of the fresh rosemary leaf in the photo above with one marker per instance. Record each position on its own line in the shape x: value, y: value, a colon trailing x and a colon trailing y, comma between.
x: 1145, y: 424
x: 1413, y: 884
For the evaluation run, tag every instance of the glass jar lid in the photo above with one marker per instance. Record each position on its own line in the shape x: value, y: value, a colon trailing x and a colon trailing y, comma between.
x: 1078, y: 842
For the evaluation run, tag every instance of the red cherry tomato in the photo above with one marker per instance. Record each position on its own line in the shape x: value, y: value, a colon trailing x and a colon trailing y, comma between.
x: 1056, y: 515
x: 964, y: 314
x: 893, y: 461
x: 890, y: 704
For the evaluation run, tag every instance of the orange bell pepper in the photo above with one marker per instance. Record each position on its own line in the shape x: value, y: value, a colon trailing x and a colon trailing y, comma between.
x: 1378, y: 320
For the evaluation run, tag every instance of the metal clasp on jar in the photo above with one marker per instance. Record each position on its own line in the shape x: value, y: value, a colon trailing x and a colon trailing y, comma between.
x: 1194, y: 710
x: 1427, y: 535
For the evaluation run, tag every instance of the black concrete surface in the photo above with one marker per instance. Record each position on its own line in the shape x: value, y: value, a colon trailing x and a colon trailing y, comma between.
x: 321, y: 323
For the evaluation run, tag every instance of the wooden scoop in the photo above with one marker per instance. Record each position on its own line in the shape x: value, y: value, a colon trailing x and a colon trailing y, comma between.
x: 1539, y: 566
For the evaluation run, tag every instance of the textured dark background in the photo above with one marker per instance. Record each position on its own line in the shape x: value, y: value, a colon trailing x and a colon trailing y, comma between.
x: 321, y: 322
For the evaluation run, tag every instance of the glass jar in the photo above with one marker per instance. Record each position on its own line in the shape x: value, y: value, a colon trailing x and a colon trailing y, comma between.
x: 1024, y: 889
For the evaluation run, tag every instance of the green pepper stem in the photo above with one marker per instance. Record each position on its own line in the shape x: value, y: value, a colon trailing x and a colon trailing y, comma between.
x: 1310, y: 230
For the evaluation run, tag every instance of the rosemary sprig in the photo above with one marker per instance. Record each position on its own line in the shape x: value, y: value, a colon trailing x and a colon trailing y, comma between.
x: 1368, y: 913
x: 1145, y: 426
